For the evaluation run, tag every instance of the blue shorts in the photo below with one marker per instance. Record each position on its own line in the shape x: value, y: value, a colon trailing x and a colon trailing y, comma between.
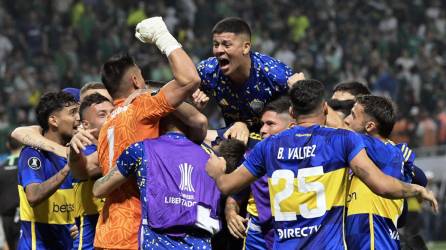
x: 87, y: 228
x: 256, y: 237
x: 149, y: 239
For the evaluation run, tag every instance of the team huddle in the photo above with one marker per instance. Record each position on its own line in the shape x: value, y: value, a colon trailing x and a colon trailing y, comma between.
x: 124, y: 165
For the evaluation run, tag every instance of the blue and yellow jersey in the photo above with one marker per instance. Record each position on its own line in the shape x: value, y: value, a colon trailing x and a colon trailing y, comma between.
x: 307, y: 179
x: 371, y: 219
x: 45, y: 226
x: 86, y: 208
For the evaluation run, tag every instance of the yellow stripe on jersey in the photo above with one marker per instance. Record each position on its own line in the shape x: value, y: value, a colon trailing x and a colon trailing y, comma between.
x: 33, y: 236
x: 81, y: 233
x: 57, y: 209
x: 251, y: 208
x: 334, y: 190
x: 362, y: 201
x: 84, y: 202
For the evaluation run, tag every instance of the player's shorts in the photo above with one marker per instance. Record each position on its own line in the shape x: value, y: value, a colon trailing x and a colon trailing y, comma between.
x: 154, y: 240
x: 87, y: 226
x: 257, y: 238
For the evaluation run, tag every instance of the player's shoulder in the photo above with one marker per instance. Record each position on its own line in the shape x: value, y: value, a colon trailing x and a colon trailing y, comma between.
x: 31, y: 157
x: 207, y: 66
x: 408, y: 154
x: 271, y: 66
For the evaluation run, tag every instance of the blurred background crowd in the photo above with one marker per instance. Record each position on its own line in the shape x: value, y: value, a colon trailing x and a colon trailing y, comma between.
x: 397, y: 48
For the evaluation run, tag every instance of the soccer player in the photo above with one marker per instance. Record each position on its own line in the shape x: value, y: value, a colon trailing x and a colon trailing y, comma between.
x: 179, y: 200
x: 83, y: 162
x: 120, y: 217
x: 45, y: 185
x: 307, y: 174
x: 371, y: 221
x: 240, y: 81
x: 9, y: 197
x: 260, y: 234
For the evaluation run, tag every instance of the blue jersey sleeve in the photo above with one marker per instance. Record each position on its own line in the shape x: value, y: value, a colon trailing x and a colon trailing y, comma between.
x: 131, y: 159
x: 255, y: 161
x: 353, y: 145
x: 31, y: 169
x: 90, y: 149
x: 205, y: 69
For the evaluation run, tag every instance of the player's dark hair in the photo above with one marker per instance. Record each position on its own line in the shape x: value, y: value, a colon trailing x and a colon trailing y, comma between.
x: 306, y: 96
x: 50, y: 103
x: 354, y: 88
x: 113, y: 70
x: 94, y: 98
x: 381, y: 110
x: 232, y: 25
x: 232, y: 150
x: 92, y: 85
x: 342, y: 106
x: 278, y: 105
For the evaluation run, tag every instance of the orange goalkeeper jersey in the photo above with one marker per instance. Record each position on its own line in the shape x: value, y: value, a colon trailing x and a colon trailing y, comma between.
x: 119, y: 221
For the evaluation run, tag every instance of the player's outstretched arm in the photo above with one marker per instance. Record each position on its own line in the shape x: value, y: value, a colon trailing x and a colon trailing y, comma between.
x: 106, y: 184
x: 32, y: 136
x: 387, y: 186
x: 228, y: 183
x: 186, y: 78
x: 38, y: 192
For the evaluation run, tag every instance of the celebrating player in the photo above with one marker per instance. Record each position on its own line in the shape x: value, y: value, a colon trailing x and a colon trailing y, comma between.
x: 307, y: 174
x: 240, y: 81
x: 45, y: 185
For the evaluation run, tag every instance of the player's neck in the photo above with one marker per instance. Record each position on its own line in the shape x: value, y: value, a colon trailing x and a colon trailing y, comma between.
x: 55, y: 137
x: 379, y: 137
x: 307, y: 121
x: 241, y: 75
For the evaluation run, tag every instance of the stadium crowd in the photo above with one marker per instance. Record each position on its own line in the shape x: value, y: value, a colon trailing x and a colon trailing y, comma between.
x: 395, y: 47
x: 99, y: 167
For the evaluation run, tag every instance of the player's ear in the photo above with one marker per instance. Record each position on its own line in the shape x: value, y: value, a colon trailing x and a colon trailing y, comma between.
x: 370, y: 126
x: 246, y: 47
x: 85, y: 124
x: 325, y: 108
x: 52, y: 121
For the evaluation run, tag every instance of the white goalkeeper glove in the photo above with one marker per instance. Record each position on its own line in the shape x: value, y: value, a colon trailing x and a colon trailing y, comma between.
x: 154, y: 30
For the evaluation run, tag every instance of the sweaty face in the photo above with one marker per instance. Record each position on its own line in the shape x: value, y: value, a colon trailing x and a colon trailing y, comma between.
x: 342, y: 96
x: 274, y: 123
x: 357, y: 119
x: 67, y: 121
x: 228, y: 49
x: 95, y: 116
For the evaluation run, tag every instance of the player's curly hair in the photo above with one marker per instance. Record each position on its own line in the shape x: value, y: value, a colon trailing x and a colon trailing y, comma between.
x: 381, y: 110
x: 50, y: 103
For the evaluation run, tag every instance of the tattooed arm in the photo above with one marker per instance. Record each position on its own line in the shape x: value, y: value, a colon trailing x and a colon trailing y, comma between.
x: 106, y: 184
x: 37, y: 192
x: 127, y: 164
x: 387, y: 186
x: 32, y: 136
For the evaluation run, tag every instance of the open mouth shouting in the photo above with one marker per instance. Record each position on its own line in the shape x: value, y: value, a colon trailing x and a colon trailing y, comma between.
x: 224, y: 64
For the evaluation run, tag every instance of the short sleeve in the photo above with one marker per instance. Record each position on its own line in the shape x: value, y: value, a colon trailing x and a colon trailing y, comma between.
x: 206, y: 70
x: 353, y: 144
x: 31, y: 169
x: 255, y: 161
x: 151, y: 107
x: 131, y: 159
